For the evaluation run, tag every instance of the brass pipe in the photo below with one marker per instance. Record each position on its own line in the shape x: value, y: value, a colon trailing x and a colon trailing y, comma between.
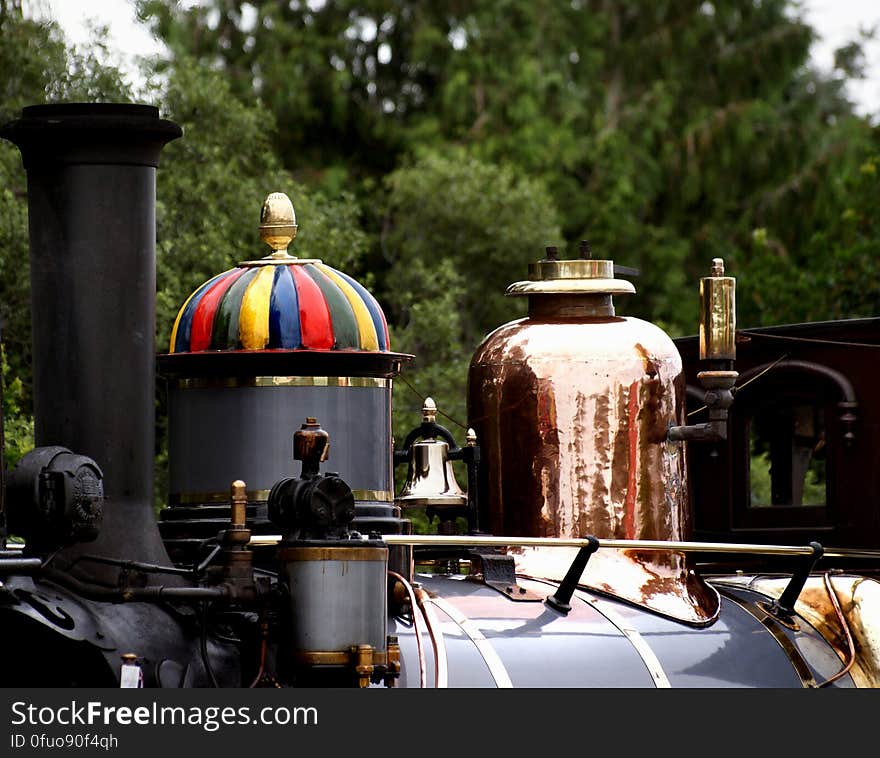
x: 441, y: 667
x: 238, y: 496
x: 492, y: 541
x: 423, y: 674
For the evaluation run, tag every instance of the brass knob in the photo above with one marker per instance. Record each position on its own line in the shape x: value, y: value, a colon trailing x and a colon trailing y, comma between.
x: 429, y: 411
x: 278, y: 224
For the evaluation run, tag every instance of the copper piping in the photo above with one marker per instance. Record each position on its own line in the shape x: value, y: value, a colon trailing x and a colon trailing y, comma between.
x: 423, y: 673
x: 262, y: 665
x: 264, y: 635
x: 440, y: 663
x: 846, y: 631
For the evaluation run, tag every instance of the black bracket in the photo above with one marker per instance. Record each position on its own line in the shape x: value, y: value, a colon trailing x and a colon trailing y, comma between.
x: 560, y: 600
x: 783, y: 608
x: 499, y: 573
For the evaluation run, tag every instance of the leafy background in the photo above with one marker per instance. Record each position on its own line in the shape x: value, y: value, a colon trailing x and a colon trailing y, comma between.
x: 433, y: 149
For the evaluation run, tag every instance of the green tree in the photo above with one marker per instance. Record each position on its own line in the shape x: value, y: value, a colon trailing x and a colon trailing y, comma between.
x: 666, y: 132
x: 452, y: 220
x: 211, y: 185
x: 834, y: 273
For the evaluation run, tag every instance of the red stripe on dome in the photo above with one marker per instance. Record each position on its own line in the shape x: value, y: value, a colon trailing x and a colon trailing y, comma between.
x: 203, y: 318
x: 314, y: 315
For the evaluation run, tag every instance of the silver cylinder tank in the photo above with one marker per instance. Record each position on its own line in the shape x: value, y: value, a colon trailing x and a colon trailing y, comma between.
x: 227, y: 428
x: 338, y: 598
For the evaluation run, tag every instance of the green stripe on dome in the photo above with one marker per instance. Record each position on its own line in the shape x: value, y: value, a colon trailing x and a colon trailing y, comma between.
x: 224, y: 335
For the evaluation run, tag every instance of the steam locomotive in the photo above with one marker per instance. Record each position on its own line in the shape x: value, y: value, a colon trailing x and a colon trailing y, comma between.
x: 598, y: 541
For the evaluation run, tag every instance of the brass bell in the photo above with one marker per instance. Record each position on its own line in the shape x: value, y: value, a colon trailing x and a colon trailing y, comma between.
x: 431, y: 479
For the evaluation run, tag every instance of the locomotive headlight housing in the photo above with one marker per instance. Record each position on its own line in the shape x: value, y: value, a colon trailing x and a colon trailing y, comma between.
x: 55, y: 498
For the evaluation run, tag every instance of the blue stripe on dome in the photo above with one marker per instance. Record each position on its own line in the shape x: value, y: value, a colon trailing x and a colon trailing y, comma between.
x: 284, y: 327
x: 184, y: 328
x: 372, y: 307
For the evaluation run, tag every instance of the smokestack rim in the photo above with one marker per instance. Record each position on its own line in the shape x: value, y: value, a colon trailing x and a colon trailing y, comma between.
x: 93, y: 133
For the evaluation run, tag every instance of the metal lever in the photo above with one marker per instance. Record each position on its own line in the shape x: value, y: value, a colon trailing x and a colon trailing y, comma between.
x: 783, y: 608
x: 559, y: 600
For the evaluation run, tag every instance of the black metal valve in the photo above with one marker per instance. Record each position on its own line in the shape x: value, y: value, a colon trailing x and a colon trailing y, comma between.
x: 313, y: 506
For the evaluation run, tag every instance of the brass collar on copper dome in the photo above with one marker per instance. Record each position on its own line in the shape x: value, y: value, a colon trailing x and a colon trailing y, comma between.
x: 552, y: 276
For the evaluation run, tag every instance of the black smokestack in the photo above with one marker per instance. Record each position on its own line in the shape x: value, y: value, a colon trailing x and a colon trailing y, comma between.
x: 91, y: 176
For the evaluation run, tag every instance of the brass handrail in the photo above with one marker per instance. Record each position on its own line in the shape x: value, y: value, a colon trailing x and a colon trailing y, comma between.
x: 438, y: 540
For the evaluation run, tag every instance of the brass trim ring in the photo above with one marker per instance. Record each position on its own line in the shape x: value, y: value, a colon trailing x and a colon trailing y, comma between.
x: 197, y: 498
x: 334, y: 658
x: 377, y: 554
x: 484, y: 647
x: 772, y: 625
x: 201, y: 383
x: 639, y: 643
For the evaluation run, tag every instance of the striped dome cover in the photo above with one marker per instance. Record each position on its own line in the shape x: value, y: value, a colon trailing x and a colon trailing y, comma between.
x: 296, y: 306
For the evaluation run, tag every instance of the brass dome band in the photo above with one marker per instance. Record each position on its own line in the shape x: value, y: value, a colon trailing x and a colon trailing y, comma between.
x: 484, y: 647
x: 572, y: 286
x: 201, y: 498
x: 335, y: 658
x: 201, y: 383
x: 573, y: 269
x: 581, y: 276
x: 376, y: 553
x: 274, y: 260
x: 641, y: 646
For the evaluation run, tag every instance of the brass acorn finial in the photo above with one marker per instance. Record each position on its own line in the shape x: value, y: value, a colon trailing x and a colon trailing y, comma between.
x: 278, y: 224
x: 429, y: 411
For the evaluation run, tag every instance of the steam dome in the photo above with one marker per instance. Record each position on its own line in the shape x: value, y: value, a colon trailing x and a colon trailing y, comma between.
x: 254, y: 352
x: 280, y: 302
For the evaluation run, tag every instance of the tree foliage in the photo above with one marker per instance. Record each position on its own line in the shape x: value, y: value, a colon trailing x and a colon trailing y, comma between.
x: 433, y: 149
x: 210, y: 189
x: 452, y: 220
x: 665, y: 132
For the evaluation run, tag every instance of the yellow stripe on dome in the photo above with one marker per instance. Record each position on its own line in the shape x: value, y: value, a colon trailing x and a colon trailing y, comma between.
x: 366, y: 328
x: 253, y: 319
